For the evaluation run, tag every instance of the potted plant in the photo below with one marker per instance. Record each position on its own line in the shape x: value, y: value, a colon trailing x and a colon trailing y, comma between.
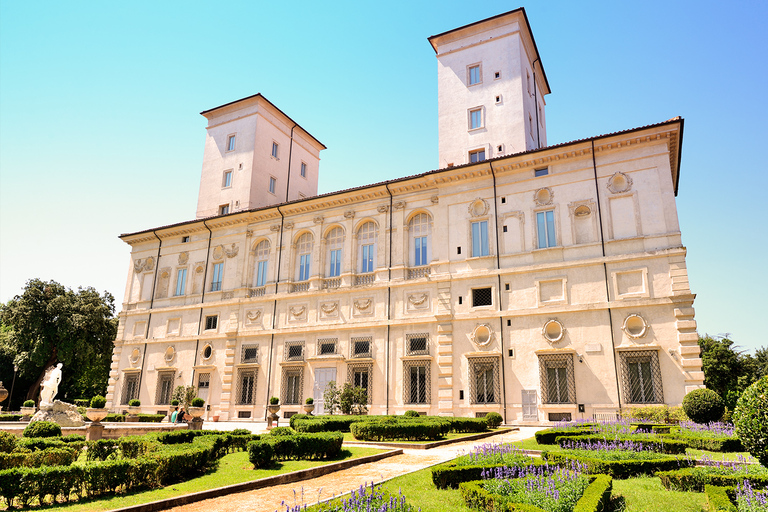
x: 174, y: 404
x: 96, y: 412
x: 274, y: 405
x: 134, y: 407
x: 309, y: 405
x: 28, y: 409
x: 196, y: 410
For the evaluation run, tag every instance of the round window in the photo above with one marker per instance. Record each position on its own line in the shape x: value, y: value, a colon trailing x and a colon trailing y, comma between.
x: 553, y: 331
x: 635, y: 326
x: 170, y: 353
x: 207, y: 352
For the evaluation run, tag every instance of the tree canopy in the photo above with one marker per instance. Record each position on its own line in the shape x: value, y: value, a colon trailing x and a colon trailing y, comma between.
x: 728, y: 370
x: 49, y: 324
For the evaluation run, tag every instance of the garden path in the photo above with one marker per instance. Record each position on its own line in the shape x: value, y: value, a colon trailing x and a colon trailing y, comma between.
x: 309, y: 491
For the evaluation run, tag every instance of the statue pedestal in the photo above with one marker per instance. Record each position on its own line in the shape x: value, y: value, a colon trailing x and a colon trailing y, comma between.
x: 195, y: 424
x: 62, y: 413
x: 94, y: 432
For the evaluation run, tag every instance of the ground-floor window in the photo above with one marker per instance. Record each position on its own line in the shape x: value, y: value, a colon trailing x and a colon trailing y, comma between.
x: 246, y: 386
x: 484, y: 387
x: 416, y: 382
x: 293, y: 381
x: 130, y: 387
x: 164, y: 388
x: 361, y: 375
x: 641, y: 377
x: 556, y: 377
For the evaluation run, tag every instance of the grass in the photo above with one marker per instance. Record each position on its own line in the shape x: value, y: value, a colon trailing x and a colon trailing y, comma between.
x: 430, y: 499
x: 646, y: 494
x: 233, y: 468
x: 349, y: 438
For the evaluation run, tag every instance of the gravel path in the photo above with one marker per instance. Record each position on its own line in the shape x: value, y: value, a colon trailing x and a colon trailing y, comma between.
x: 340, y: 482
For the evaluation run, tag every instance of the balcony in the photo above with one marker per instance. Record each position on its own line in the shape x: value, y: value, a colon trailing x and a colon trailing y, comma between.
x: 257, y: 292
x: 364, y: 279
x: 417, y: 272
x: 333, y: 282
x: 300, y: 287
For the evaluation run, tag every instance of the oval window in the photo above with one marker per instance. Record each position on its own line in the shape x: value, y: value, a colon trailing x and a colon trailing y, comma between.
x: 635, y: 326
x: 170, y: 353
x: 207, y: 352
x: 553, y: 331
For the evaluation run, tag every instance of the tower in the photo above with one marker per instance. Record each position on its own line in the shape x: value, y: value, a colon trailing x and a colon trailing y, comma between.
x: 491, y: 88
x: 249, y: 147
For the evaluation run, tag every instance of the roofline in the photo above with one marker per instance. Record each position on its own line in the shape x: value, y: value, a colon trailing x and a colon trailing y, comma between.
x: 678, y: 120
x: 259, y: 95
x: 527, y: 24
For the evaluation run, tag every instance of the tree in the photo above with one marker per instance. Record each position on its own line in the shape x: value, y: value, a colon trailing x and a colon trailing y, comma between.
x: 727, y: 371
x: 184, y: 395
x: 331, y: 397
x: 49, y: 324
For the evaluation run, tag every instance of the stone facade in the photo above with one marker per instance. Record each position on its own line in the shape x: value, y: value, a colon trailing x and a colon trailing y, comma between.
x: 544, y: 284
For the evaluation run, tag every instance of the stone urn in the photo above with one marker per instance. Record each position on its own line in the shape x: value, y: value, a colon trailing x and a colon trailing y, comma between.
x: 272, y: 418
x: 133, y: 413
x: 27, y: 412
x: 308, y: 408
x: 196, y: 412
x: 96, y: 414
x: 3, y: 393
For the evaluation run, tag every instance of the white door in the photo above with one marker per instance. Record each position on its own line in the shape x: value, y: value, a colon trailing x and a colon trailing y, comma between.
x: 322, y: 377
x: 530, y: 409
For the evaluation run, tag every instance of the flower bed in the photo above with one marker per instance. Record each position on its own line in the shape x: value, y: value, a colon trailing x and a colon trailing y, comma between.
x: 634, y: 443
x: 471, y: 466
x: 714, y: 437
x: 364, y: 498
x: 722, y: 473
x: 618, y: 460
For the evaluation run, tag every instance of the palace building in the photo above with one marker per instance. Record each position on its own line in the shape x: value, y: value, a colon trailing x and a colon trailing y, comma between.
x: 540, y: 282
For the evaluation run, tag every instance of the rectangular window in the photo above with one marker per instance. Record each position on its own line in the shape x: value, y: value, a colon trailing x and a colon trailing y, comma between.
x: 641, y: 377
x: 294, y: 351
x: 326, y: 346
x: 246, y: 386
x: 274, y: 149
x: 303, y: 170
x: 367, y: 258
x: 224, y: 209
x: 231, y: 143
x: 482, y: 297
x: 181, y: 281
x: 227, y: 181
x: 361, y: 376
x: 304, y: 267
x: 417, y: 377
x: 541, y: 172
x: 272, y: 183
x: 203, y: 382
x: 475, y: 118
x: 476, y: 156
x: 484, y: 380
x: 249, y: 354
x: 292, y: 384
x: 420, y: 247
x: 474, y: 74
x: 335, y: 270
x: 417, y: 344
x: 185, y: 239
x: 361, y: 347
x: 130, y: 388
x: 261, y: 273
x: 556, y: 378
x: 480, y: 238
x: 211, y: 322
x: 218, y: 276
x: 164, y: 388
x: 545, y: 227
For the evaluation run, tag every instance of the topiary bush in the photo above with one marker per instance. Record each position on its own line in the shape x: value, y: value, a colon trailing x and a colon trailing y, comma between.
x: 493, y: 419
x: 198, y: 402
x: 751, y: 420
x: 134, y: 402
x: 29, y: 403
x: 703, y: 405
x: 42, y: 429
x: 98, y: 402
x: 7, y: 442
x: 282, y: 431
x: 260, y: 454
x: 411, y: 414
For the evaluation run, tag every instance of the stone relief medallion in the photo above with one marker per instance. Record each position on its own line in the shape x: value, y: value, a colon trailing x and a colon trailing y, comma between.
x: 382, y: 209
x: 274, y: 227
x: 183, y: 258
x: 635, y: 326
x: 149, y: 263
x: 398, y: 205
x: 363, y: 304
x: 582, y: 211
x: 165, y: 274
x: 253, y: 316
x: 135, y: 356
x: 288, y: 225
x: 619, y: 183
x: 298, y: 311
x: 199, y: 269
x: 543, y: 196
x: 138, y: 265
x: 170, y: 354
x: 318, y: 219
x: 553, y: 331
x: 145, y: 264
x: 218, y: 252
x: 349, y: 214
x: 232, y: 251
x: 362, y: 307
x: 418, y: 301
x: 478, y: 207
x: 482, y: 335
x: 329, y: 309
x: 434, y: 199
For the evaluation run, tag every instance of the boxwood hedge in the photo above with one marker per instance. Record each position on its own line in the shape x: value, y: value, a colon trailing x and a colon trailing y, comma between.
x: 550, y: 435
x: 719, y: 499
x: 667, y: 445
x: 401, y: 429
x: 448, y: 475
x: 695, y: 479
x: 618, y: 468
x: 321, y: 445
x: 712, y: 444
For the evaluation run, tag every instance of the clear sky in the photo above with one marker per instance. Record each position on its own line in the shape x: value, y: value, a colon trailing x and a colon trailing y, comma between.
x: 100, y: 132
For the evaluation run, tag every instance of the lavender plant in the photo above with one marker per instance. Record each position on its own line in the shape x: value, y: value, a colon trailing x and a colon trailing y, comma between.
x: 743, y: 466
x: 750, y: 500
x: 364, y: 499
x: 489, y: 454
x: 712, y: 429
x: 611, y: 449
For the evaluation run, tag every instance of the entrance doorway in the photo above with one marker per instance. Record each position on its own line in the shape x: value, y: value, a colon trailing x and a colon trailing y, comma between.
x: 322, y: 377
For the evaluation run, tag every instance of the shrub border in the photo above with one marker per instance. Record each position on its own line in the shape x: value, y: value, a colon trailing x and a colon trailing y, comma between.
x: 718, y: 499
x: 669, y: 446
x: 688, y: 480
x: 435, y: 444
x: 711, y: 444
x: 618, y: 468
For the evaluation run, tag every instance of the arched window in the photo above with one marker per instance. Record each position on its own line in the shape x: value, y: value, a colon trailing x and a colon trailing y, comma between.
x: 419, y: 232
x: 303, y: 255
x: 334, y: 242
x: 261, y: 252
x: 366, y: 241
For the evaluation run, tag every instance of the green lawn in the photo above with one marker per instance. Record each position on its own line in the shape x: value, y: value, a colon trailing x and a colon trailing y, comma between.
x: 233, y: 468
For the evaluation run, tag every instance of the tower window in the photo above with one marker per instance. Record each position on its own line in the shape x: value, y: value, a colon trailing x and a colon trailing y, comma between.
x: 231, y: 143
x: 224, y: 209
x: 227, y: 179
x: 476, y: 156
x: 475, y: 118
x: 541, y: 172
x: 497, y: 75
x: 272, y: 183
x: 474, y: 74
x: 303, y: 170
x: 275, y: 148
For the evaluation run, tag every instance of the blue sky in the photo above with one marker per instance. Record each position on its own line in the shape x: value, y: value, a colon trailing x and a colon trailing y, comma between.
x: 100, y: 132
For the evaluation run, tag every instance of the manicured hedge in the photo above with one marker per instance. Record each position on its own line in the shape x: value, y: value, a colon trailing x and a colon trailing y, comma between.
x: 337, y: 423
x: 670, y: 446
x: 448, y: 475
x: 618, y: 468
x: 10, y: 417
x: 114, y: 418
x: 322, y: 445
x: 41, y: 443
x: 151, y: 418
x: 42, y: 429
x: 596, y: 497
x: 695, y: 479
x: 48, y: 457
x: 101, y: 449
x: 460, y: 425
x: 712, y: 444
x: 718, y: 499
x: 550, y: 435
x: 404, y: 429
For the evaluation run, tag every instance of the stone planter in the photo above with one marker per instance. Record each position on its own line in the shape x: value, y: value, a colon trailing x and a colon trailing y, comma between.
x: 308, y: 408
x: 96, y: 415
x: 196, y: 423
x: 196, y: 412
x: 272, y: 418
x: 27, y: 412
x: 133, y: 413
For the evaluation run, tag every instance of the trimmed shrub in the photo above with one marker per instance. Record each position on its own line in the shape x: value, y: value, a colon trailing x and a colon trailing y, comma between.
x: 448, y: 475
x: 665, y: 445
x: 703, y: 405
x: 461, y: 425
x: 135, y: 402
x: 282, y: 431
x: 618, y: 468
x: 750, y: 419
x: 718, y: 499
x: 550, y: 435
x: 655, y: 413
x: 98, y: 402
x: 712, y: 444
x: 309, y: 401
x: 8, y: 442
x: 73, y: 438
x: 260, y: 454
x: 42, y: 429
x: 40, y: 443
x: 300, y: 446
x: 101, y: 449
x: 297, y: 417
x: 393, y: 429
x: 10, y: 417
x: 240, y: 432
x: 29, y: 403
x: 274, y: 400
x: 493, y: 419
x: 151, y: 418
x: 114, y: 418
x: 695, y: 479
x: 198, y: 402
x: 411, y: 414
x: 174, y: 403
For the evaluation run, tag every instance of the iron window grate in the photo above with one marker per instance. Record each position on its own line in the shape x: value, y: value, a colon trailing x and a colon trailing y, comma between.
x: 482, y: 297
x: 249, y: 354
x: 417, y: 344
x: 558, y: 385
x: 246, y: 386
x: 361, y: 347
x: 164, y: 388
x: 294, y: 350
x: 293, y: 385
x: 417, y: 382
x: 211, y: 322
x: 361, y: 374
x: 130, y: 388
x: 326, y: 346
x: 484, y: 386
x: 203, y: 381
x: 641, y: 377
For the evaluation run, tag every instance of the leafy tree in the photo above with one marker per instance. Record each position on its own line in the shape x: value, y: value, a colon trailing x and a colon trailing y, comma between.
x: 331, y: 397
x: 184, y: 395
x: 49, y: 324
x: 353, y: 399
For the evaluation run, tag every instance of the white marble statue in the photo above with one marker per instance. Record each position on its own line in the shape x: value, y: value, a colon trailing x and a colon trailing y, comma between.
x: 50, y: 387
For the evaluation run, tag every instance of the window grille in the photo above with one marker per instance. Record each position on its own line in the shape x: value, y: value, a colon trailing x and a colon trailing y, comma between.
x: 641, y: 377
x: 203, y: 381
x: 294, y: 351
x: 211, y: 322
x: 417, y: 382
x: 556, y: 377
x: 417, y: 344
x: 559, y: 416
x: 164, y: 388
x: 482, y: 297
x: 361, y: 347
x: 326, y: 346
x: 243, y: 414
x: 361, y: 375
x: 130, y: 388
x: 249, y: 354
x: 293, y: 384
x: 246, y: 386
x: 484, y: 386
